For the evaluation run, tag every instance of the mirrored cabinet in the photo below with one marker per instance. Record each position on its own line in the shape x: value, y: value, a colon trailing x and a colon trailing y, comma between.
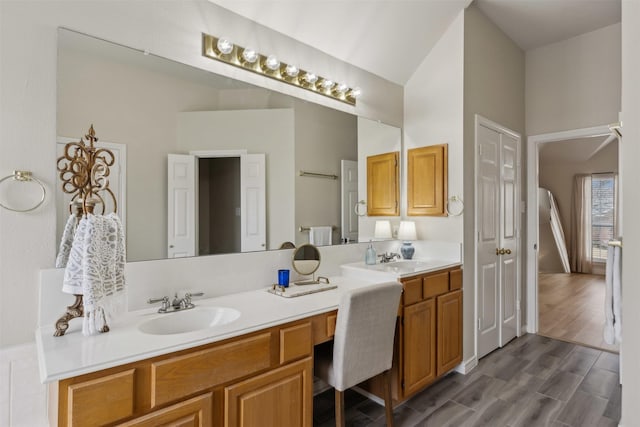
x: 383, y: 186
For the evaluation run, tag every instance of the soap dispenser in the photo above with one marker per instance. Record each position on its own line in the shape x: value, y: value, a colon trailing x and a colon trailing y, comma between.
x: 370, y: 255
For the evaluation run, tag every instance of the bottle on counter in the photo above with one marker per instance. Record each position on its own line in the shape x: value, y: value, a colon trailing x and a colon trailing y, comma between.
x: 370, y: 255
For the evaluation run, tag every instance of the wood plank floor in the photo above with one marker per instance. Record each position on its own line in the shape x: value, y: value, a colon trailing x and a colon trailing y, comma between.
x: 571, y: 308
x: 532, y: 381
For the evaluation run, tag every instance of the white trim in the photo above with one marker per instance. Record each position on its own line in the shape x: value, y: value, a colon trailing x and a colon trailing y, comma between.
x: 467, y: 365
x: 533, y: 150
x: 217, y: 153
x: 480, y: 120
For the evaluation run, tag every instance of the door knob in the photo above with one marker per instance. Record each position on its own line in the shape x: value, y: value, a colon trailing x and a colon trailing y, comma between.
x: 507, y: 251
x: 500, y: 251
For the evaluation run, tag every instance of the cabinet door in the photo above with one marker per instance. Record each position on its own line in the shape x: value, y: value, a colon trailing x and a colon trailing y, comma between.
x: 383, y: 185
x: 279, y: 398
x: 419, y: 346
x: 427, y: 180
x: 194, y: 412
x: 449, y: 331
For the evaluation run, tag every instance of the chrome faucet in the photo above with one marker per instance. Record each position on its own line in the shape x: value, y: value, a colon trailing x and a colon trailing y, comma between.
x: 387, y: 257
x: 177, y: 304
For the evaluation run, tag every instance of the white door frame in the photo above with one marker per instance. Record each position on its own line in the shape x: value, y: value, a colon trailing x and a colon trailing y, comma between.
x: 480, y: 120
x: 533, y: 150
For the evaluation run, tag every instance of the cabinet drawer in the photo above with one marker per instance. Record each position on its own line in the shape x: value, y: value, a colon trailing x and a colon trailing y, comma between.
x: 295, y: 342
x: 412, y: 291
x: 455, y: 279
x: 194, y: 412
x: 435, y: 284
x: 331, y: 324
x: 101, y: 400
x: 180, y: 376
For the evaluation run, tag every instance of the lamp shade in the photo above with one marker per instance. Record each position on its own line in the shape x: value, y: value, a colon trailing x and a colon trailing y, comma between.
x: 407, y: 231
x: 382, y: 230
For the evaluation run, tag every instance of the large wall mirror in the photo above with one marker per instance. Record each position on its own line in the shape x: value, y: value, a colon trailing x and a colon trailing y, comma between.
x: 155, y: 112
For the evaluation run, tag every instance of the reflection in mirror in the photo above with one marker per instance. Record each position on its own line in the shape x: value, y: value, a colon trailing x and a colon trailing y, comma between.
x: 152, y: 107
x: 306, y: 260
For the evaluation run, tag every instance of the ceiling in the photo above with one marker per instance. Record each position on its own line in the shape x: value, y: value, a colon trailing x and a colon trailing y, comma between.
x: 577, y: 150
x: 390, y: 38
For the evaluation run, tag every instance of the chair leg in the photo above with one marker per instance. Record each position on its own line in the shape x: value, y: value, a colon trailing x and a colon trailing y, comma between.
x: 388, y: 405
x: 339, y: 408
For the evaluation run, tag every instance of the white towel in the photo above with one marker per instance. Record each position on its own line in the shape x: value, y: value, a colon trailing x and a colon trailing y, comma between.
x: 96, y: 270
x: 66, y: 241
x: 613, y: 296
x: 320, y: 236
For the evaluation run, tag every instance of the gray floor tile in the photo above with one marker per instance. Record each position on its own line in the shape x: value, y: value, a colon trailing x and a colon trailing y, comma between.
x: 600, y: 382
x: 608, y: 361
x: 493, y: 413
x: 561, y: 386
x: 519, y: 389
x: 448, y: 415
x: 540, y: 411
x: 403, y: 416
x: 433, y: 397
x: 474, y: 394
x: 544, y: 366
x: 579, y: 362
x: 583, y: 410
x: 613, y: 410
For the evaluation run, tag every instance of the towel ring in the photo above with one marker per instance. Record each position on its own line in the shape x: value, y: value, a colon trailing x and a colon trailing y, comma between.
x: 454, y: 199
x: 25, y: 176
x: 356, y: 208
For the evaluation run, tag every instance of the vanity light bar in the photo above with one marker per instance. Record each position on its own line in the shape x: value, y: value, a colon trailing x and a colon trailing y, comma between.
x: 223, y: 50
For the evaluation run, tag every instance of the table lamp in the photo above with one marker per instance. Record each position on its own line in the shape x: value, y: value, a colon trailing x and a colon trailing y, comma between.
x: 407, y: 232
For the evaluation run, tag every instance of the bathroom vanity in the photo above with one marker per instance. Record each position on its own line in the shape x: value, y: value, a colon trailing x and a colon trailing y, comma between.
x: 257, y: 367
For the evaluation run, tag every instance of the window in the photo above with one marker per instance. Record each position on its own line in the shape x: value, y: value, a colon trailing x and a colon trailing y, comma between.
x: 603, y: 214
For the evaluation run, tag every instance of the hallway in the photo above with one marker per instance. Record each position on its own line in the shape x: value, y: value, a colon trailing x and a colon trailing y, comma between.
x: 571, y: 308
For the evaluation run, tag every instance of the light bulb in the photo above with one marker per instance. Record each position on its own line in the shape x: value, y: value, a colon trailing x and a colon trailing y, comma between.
x: 341, y: 88
x: 224, y: 45
x: 327, y: 84
x: 272, y: 62
x: 250, y: 55
x: 355, y: 93
x: 310, y: 77
x: 291, y: 70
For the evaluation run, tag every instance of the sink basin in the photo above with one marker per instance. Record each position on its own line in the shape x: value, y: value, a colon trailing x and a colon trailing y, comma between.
x: 189, y: 320
x: 394, y: 269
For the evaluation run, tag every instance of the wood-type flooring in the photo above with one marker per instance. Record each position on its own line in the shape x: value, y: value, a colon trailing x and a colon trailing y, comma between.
x: 532, y: 381
x: 571, y: 308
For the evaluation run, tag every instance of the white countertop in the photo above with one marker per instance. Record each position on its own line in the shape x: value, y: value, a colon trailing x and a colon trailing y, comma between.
x: 74, y: 354
x: 395, y: 269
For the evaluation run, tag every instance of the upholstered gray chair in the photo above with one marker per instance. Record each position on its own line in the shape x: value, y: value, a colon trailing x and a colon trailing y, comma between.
x: 362, y: 344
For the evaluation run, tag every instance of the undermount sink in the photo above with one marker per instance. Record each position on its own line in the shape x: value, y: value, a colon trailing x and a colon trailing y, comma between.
x: 394, y: 269
x: 189, y: 320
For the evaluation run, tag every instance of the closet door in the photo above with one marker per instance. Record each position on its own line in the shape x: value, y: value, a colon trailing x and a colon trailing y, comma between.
x: 497, y: 213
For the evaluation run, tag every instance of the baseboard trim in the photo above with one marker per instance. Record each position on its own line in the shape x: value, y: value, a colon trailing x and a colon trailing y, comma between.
x: 467, y: 365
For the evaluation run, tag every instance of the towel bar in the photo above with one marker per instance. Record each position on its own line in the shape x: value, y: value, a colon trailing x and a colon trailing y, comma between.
x: 302, y: 228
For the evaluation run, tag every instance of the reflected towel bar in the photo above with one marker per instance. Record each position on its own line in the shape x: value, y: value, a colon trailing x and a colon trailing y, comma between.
x: 615, y: 243
x: 302, y: 228
x: 318, y: 175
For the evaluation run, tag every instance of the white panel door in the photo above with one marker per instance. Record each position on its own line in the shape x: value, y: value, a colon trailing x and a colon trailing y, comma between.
x: 497, y: 248
x: 488, y: 206
x: 181, y: 206
x: 509, y: 236
x: 349, y: 192
x: 253, y: 203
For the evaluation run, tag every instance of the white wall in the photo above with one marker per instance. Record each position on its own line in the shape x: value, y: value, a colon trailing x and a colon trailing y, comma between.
x: 434, y: 115
x: 574, y: 83
x: 172, y: 29
x: 630, y: 174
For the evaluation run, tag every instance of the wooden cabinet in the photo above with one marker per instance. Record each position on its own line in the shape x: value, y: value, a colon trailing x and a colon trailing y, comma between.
x: 431, y: 332
x: 427, y: 180
x: 383, y: 185
x: 262, y: 378
x: 194, y: 412
x: 449, y: 331
x: 279, y: 398
x: 419, y: 345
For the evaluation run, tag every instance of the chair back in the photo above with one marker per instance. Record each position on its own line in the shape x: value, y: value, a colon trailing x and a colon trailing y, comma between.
x: 365, y: 329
